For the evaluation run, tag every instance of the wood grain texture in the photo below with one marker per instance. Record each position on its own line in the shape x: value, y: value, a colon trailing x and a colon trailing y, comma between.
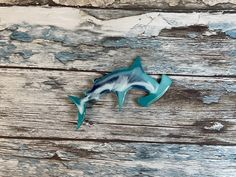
x: 167, y: 42
x: 34, y: 103
x: 134, y: 4
x: 43, y: 61
x: 35, y: 158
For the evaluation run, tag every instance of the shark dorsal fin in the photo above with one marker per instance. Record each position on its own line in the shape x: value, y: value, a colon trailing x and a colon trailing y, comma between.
x: 137, y: 63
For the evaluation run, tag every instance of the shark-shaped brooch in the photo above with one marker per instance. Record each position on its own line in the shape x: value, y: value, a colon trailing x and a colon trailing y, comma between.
x: 121, y: 81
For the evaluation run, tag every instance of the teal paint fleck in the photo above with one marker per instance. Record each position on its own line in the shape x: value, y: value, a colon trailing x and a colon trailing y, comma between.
x: 21, y: 36
x: 65, y: 56
x: 3, y: 43
x: 211, y: 99
x: 65, y: 37
x: 231, y: 33
x: 227, y: 28
x: 25, y: 53
x: 230, y: 87
x: 192, y: 35
x: 232, y: 53
x: 6, y: 51
x: 220, y: 26
x: 53, y: 34
x: 133, y: 43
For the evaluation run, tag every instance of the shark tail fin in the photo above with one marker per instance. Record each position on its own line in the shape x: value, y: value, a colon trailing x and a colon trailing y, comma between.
x: 137, y: 63
x: 151, y: 98
x: 81, y: 109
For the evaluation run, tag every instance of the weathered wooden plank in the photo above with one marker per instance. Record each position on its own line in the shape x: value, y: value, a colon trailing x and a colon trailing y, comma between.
x: 77, y: 158
x: 134, y: 4
x: 172, y: 43
x: 34, y: 103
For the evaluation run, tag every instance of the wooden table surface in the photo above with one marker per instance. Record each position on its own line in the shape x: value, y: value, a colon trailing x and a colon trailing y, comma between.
x: 50, y: 51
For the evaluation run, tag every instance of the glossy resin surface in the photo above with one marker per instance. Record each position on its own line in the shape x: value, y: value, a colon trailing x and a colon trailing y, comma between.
x: 121, y: 81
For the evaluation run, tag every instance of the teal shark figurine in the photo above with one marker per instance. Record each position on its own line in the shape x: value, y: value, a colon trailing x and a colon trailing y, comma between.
x: 120, y: 82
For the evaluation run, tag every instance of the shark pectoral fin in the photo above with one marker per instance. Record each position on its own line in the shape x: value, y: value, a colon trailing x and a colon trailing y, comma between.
x: 121, y: 98
x: 151, y: 98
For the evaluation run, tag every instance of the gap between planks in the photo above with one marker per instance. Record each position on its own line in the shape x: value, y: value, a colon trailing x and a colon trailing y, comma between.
x: 104, y: 72
x: 113, y: 140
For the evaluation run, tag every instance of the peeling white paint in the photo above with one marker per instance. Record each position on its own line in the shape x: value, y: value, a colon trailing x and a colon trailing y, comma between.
x: 216, y: 126
x: 211, y: 99
x: 93, y: 3
x: 173, y: 2
x: 67, y: 18
x: 148, y: 24
x: 231, y: 87
x: 151, y: 24
x: 210, y: 33
x: 215, y: 2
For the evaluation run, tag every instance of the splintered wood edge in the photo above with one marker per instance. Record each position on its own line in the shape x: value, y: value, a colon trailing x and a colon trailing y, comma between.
x: 154, y: 22
x: 171, y: 5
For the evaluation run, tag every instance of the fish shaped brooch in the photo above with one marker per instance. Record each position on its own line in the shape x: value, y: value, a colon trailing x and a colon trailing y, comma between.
x: 121, y: 81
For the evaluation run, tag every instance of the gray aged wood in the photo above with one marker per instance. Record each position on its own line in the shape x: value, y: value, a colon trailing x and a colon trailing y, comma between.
x: 43, y: 61
x: 173, y: 5
x: 34, y: 103
x: 80, y: 41
x: 23, y: 158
